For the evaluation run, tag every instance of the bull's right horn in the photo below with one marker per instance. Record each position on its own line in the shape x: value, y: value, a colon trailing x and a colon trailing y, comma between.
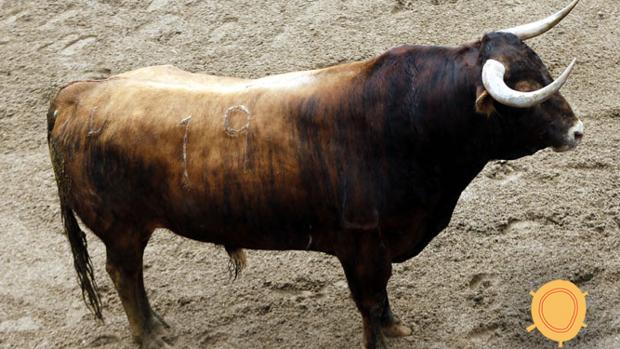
x: 530, y: 30
x: 493, y: 80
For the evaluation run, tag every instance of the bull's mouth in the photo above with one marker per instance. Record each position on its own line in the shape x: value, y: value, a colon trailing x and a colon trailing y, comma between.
x: 565, y: 147
x: 569, y: 144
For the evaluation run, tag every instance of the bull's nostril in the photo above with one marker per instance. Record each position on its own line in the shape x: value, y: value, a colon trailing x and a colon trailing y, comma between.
x: 578, y: 135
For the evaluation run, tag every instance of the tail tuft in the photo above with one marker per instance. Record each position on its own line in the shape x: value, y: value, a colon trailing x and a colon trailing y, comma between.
x: 82, y: 262
x: 237, y: 262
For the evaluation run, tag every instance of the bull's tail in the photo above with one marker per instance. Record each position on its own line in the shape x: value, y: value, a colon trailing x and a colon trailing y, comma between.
x: 237, y: 262
x: 77, y: 238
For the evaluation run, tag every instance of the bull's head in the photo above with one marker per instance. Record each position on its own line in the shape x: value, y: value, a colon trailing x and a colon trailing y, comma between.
x: 517, y: 87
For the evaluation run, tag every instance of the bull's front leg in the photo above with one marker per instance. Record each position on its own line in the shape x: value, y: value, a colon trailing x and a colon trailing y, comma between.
x: 368, y: 268
x: 391, y: 325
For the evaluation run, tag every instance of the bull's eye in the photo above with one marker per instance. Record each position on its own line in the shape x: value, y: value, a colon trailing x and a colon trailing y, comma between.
x: 527, y: 86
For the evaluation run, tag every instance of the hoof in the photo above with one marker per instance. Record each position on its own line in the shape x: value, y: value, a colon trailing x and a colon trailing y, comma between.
x: 379, y: 343
x: 155, y: 342
x: 396, y: 330
x: 158, y: 336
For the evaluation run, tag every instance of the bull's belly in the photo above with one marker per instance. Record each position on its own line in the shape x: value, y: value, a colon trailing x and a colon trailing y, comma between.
x: 252, y: 217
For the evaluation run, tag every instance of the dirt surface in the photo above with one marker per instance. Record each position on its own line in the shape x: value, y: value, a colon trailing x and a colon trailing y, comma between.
x: 520, y: 223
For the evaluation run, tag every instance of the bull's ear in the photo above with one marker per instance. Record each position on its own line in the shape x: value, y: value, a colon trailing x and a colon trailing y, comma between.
x: 484, y: 102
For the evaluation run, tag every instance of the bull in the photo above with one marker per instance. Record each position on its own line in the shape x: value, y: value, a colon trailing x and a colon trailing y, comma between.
x: 364, y: 161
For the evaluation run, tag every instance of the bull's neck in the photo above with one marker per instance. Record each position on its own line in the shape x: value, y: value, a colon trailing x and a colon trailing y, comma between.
x: 434, y: 119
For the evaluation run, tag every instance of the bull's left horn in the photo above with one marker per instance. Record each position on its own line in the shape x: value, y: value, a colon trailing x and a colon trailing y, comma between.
x: 530, y: 30
x: 493, y: 80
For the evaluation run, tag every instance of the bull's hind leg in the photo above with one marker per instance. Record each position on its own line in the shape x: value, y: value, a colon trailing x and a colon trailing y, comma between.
x: 124, y: 265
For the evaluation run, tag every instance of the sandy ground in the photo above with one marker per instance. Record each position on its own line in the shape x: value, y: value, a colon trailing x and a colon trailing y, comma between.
x: 519, y: 224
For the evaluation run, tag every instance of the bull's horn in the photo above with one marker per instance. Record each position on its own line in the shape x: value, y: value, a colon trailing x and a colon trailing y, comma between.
x: 493, y: 80
x: 531, y: 30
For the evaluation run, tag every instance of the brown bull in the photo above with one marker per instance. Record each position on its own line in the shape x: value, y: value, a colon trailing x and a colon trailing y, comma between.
x: 364, y: 161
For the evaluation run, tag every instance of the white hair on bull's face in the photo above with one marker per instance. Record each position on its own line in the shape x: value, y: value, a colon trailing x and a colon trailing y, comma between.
x: 275, y: 82
x: 573, y: 137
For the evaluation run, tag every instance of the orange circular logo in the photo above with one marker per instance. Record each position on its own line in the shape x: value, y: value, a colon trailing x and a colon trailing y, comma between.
x: 558, y: 311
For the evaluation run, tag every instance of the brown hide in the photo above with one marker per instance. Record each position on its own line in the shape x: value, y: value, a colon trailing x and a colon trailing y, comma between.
x: 151, y: 148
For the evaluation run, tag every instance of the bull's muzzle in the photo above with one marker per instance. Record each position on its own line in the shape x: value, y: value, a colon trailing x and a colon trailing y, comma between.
x: 573, y: 137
